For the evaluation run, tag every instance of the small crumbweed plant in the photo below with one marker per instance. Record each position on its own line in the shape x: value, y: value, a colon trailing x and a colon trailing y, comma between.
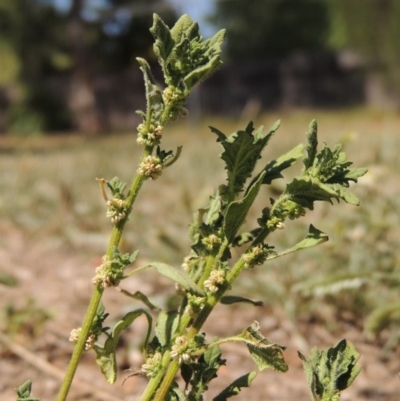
x: 174, y: 342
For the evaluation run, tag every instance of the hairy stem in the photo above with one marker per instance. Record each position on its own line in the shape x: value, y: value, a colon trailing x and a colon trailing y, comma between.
x: 114, y: 241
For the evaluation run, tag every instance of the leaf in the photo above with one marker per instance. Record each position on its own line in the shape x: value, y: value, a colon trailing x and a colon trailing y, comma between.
x: 212, y: 356
x: 235, y: 387
x: 264, y: 353
x: 184, y: 27
x: 174, y: 158
x: 332, y: 371
x: 271, y: 358
x: 138, y: 295
x: 221, y: 136
x: 273, y: 169
x: 154, y: 97
x: 202, y: 72
x: 164, y: 43
x: 314, y: 237
x: 311, y: 148
x: 178, y: 276
x: 24, y: 392
x: 241, y: 152
x: 232, y: 299
x: 213, y: 211
x: 237, y: 210
x: 179, y: 394
x: 105, y: 355
x: 167, y: 323
x: 306, y: 190
x: 346, y: 195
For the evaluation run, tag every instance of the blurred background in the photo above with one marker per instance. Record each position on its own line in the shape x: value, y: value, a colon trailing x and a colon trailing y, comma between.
x: 69, y: 65
x: 69, y: 88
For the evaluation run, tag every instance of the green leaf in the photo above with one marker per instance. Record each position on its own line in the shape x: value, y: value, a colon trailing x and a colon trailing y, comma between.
x: 138, y: 295
x: 221, y: 136
x: 264, y: 353
x: 237, y: 210
x: 356, y: 173
x: 166, y: 325
x: 314, y: 237
x: 305, y: 191
x: 202, y: 72
x: 185, y: 27
x: 212, y: 213
x: 235, y: 387
x: 180, y: 396
x: 24, y: 392
x: 268, y: 358
x: 178, y: 276
x: 154, y: 97
x: 164, y: 43
x: 241, y: 152
x: 273, y: 169
x: 232, y: 299
x: 117, y: 187
x: 212, y: 356
x: 311, y: 148
x: 332, y: 371
x: 105, y: 355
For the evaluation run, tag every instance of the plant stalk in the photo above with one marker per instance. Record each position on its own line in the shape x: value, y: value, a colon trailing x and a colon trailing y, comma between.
x: 114, y: 241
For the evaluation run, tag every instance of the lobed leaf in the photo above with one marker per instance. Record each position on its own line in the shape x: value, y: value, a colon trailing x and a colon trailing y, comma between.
x: 332, y: 371
x: 241, y: 153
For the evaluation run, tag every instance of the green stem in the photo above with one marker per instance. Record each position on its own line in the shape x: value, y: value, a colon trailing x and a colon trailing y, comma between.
x: 114, y: 241
x: 154, y: 382
x: 80, y: 345
x: 212, y: 300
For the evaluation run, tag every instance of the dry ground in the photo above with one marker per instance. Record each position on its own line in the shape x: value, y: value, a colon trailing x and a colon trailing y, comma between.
x: 53, y: 235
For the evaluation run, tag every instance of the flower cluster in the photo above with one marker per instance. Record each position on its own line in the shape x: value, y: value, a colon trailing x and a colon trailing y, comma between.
x: 257, y: 255
x: 105, y: 276
x: 211, y: 242
x: 195, y: 305
x: 116, y: 209
x: 150, y: 136
x: 74, y: 336
x: 151, y: 167
x: 178, y: 350
x: 216, y: 279
x: 152, y: 365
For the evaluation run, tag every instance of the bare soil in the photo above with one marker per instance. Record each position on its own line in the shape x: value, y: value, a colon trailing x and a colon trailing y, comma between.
x: 57, y: 278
